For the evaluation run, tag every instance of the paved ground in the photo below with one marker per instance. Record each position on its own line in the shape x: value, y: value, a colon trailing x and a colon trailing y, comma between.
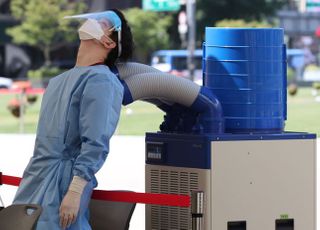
x: 123, y: 170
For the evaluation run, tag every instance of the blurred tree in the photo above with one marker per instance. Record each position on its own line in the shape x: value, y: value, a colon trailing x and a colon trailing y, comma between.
x: 242, y: 23
x: 149, y: 31
x: 42, y: 24
x: 208, y: 11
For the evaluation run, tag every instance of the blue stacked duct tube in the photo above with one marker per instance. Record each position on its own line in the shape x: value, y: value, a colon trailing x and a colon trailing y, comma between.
x: 246, y: 69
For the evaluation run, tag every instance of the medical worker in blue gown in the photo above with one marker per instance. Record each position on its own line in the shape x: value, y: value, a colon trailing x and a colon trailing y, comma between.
x: 79, y: 113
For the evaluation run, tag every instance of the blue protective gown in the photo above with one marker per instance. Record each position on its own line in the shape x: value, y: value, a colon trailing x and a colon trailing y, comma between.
x: 79, y: 113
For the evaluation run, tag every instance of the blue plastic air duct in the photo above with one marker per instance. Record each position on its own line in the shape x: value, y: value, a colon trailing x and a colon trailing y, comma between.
x: 210, y: 109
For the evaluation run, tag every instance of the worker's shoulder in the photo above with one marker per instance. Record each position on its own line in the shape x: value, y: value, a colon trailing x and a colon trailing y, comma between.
x: 61, y: 75
x: 60, y: 78
x: 102, y: 74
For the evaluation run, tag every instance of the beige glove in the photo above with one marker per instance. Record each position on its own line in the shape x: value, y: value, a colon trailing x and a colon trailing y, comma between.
x: 70, y: 204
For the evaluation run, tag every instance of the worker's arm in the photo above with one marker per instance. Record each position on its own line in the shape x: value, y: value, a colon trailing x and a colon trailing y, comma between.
x: 99, y: 113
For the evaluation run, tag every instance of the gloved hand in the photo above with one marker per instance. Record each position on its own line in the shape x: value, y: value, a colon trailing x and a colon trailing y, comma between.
x: 70, y: 204
x: 69, y: 209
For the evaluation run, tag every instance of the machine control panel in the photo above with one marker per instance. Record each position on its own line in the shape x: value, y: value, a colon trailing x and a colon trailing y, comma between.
x: 177, y: 150
x: 155, y: 152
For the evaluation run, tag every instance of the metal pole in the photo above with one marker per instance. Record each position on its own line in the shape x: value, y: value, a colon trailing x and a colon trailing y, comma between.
x: 1, y: 202
x: 191, y: 9
x: 22, y: 108
x: 303, y: 6
x: 197, y: 199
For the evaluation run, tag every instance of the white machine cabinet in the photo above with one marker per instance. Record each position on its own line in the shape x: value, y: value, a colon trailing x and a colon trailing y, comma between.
x: 250, y: 182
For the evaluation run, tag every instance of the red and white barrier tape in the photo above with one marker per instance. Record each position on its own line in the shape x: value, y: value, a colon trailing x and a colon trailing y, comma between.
x: 123, y: 196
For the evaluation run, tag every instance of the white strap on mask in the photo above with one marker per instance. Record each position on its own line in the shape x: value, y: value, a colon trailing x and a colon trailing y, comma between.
x: 119, y: 44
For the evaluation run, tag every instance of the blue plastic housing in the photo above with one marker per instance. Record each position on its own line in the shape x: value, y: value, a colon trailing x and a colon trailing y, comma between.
x: 246, y: 69
x: 194, y: 150
x: 217, y: 36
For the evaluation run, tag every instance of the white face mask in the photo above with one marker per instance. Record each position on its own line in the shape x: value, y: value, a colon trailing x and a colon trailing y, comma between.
x: 91, y: 29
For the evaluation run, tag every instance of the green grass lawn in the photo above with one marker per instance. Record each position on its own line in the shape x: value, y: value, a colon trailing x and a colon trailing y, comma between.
x: 303, y: 112
x: 11, y: 124
x: 135, y: 119
x: 139, y: 117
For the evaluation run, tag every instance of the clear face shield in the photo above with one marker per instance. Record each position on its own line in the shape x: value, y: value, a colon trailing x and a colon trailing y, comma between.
x: 99, y: 26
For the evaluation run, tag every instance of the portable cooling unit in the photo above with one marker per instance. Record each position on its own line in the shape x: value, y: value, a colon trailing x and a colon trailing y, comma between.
x: 250, y: 182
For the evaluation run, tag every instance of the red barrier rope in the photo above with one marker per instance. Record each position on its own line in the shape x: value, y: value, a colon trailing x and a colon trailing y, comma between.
x: 145, y: 198
x: 122, y: 196
x: 10, y: 180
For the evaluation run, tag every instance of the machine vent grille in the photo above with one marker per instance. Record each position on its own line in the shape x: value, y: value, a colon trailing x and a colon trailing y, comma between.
x: 172, y: 182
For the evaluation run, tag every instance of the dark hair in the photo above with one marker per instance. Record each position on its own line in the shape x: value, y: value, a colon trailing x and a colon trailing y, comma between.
x: 126, y: 42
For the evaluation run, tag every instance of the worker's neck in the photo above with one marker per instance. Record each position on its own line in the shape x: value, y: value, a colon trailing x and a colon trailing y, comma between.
x: 91, y: 53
